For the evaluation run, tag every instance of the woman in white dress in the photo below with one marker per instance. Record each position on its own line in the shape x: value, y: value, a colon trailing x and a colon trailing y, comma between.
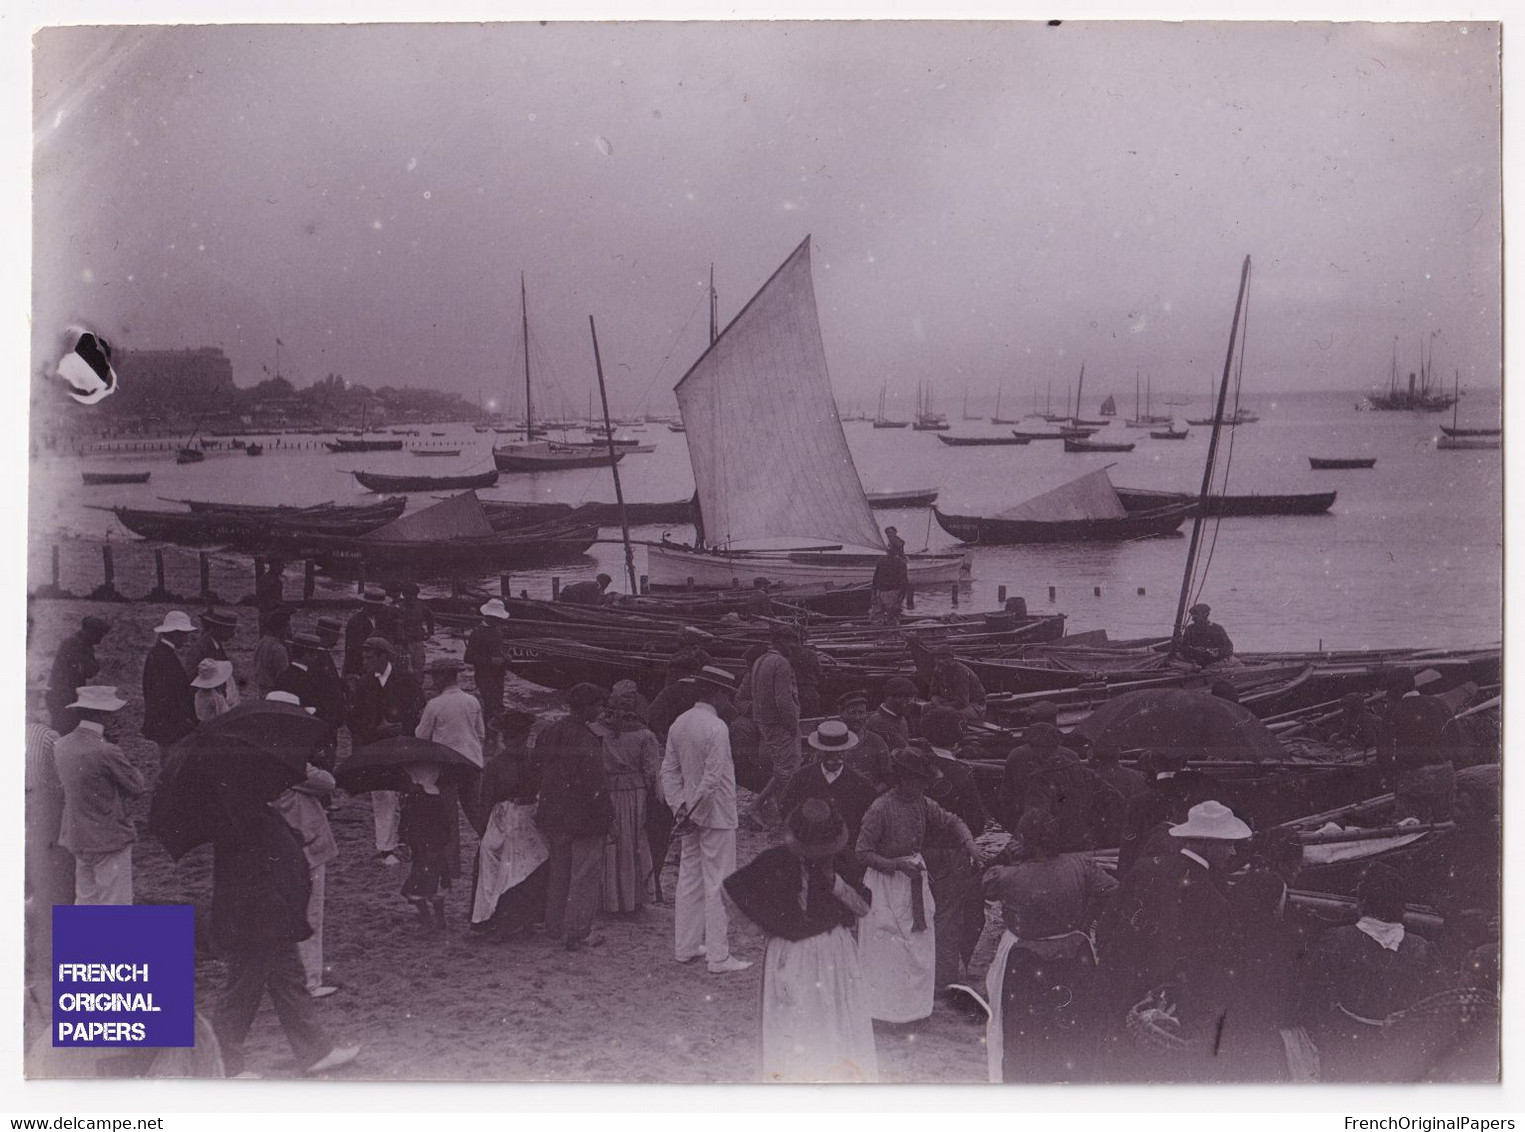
x: 509, y: 895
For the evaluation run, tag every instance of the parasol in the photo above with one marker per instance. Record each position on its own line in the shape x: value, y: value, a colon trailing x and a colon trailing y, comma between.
x: 1195, y: 723
x: 254, y: 752
x: 379, y: 766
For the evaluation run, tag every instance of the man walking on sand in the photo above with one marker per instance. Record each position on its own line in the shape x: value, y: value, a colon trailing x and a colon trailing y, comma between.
x: 699, y: 782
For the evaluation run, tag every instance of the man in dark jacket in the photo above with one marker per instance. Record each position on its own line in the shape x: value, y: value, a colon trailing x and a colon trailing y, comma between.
x: 1205, y: 642
x: 311, y: 678
x: 575, y: 814
x: 217, y: 629
x: 73, y: 666
x: 487, y: 656
x: 360, y: 628
x: 386, y: 702
x: 259, y: 915
x: 828, y: 776
x: 169, y: 702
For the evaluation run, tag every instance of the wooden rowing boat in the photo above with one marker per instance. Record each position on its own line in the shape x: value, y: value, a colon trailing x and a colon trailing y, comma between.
x: 1222, y: 506
x: 1335, y: 463
x: 976, y: 529
x: 375, y: 481
x: 99, y: 479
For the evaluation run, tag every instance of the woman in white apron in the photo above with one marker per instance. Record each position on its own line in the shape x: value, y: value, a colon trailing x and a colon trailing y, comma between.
x: 896, y: 945
x: 815, y: 1023
x: 510, y: 883
x: 1040, y: 980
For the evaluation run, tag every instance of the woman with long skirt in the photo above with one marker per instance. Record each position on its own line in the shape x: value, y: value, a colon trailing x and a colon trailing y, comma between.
x: 896, y: 944
x: 1040, y: 981
x: 632, y: 764
x: 509, y: 895
x: 815, y: 1022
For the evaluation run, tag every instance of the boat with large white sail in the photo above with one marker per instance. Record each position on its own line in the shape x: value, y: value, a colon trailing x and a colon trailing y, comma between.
x: 779, y: 496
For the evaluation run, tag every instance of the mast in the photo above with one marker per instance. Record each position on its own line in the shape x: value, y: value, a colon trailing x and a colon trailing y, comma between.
x: 1207, y: 470
x: 1137, y: 409
x: 1079, y: 389
x: 714, y: 308
x: 614, y: 463
x: 524, y: 320
x: 998, y: 399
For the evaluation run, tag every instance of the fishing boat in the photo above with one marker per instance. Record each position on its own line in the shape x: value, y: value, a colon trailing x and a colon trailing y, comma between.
x: 435, y: 451
x: 253, y: 530
x: 1169, y: 434
x: 779, y: 495
x: 1108, y: 407
x: 882, y: 421
x: 1025, y: 437
x: 676, y: 428
x: 1418, y: 396
x: 1470, y: 443
x: 100, y: 479
x: 1084, y: 510
x: 340, y: 444
x: 1453, y: 432
x: 1076, y: 421
x: 1143, y: 411
x: 1333, y: 463
x: 927, y: 420
x: 374, y: 481
x: 1230, y: 506
x: 190, y: 456
x: 996, y: 418
x: 916, y: 497
x: 254, y: 450
x: 631, y: 448
x: 1080, y: 444
x: 449, y: 539
x: 1237, y: 417
x: 982, y: 441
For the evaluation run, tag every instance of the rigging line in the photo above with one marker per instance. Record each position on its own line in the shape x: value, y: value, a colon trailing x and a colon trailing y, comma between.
x: 1228, y: 459
x: 667, y: 357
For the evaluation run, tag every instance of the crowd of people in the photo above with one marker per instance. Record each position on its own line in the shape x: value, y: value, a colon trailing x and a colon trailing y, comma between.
x: 1184, y: 959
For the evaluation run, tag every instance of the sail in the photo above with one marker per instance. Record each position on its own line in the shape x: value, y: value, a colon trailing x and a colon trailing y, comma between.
x: 769, y: 456
x: 460, y: 516
x: 1109, y: 407
x: 1090, y: 497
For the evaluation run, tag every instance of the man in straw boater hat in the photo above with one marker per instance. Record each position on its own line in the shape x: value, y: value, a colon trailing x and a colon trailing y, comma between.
x: 386, y: 702
x: 829, y: 776
x: 218, y: 627
x: 97, y: 782
x: 1171, y: 925
x: 815, y: 1019
x: 776, y: 712
x: 896, y: 942
x: 575, y: 815
x: 169, y: 703
x: 487, y: 656
x: 699, y: 783
x: 360, y: 628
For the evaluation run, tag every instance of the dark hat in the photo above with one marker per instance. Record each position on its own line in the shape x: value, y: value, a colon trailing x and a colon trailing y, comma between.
x: 373, y: 597
x: 219, y: 617
x: 307, y: 640
x: 1201, y: 607
x: 96, y: 625
x: 815, y: 830
x: 603, y: 579
x: 410, y: 589
x: 917, y: 764
x: 378, y: 644
x: 1044, y: 710
x: 1044, y: 735
x: 392, y: 587
x: 713, y: 677
x: 330, y: 625
x: 1382, y: 892
x: 856, y: 696
x: 586, y: 695
x: 899, y: 686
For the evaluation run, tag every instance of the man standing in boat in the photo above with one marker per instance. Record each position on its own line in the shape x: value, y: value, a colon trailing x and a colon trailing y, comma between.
x: 1204, y: 642
x: 892, y: 581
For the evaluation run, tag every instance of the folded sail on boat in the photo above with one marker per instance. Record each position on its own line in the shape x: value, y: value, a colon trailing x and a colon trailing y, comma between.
x: 770, y: 460
x: 1087, y: 509
x: 1092, y: 496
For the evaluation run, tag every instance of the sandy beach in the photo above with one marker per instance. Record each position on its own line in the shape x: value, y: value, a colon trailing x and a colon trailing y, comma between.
x: 433, y: 1005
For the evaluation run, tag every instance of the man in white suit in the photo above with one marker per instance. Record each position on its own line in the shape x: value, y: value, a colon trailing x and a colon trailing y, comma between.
x: 699, y: 782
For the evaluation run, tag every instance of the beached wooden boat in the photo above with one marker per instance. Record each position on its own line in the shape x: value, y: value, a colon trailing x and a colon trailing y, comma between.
x: 99, y: 479
x: 250, y: 530
x: 982, y: 441
x: 1072, y: 444
x: 1330, y: 463
x: 1467, y: 443
x: 1306, y: 503
x: 375, y: 481
x: 916, y: 497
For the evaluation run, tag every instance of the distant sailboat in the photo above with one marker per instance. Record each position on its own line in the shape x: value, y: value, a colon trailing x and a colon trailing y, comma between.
x: 882, y: 421
x: 770, y: 460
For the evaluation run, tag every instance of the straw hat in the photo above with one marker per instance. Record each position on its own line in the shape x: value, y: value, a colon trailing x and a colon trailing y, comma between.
x: 1211, y: 821
x: 373, y: 597
x: 815, y: 830
x: 175, y: 622
x: 832, y: 735
x: 288, y: 698
x: 99, y: 697
x: 220, y: 617
x: 713, y: 677
x: 212, y: 673
x: 495, y: 609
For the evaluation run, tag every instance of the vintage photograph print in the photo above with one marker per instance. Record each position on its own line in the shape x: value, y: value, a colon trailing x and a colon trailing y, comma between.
x: 692, y: 552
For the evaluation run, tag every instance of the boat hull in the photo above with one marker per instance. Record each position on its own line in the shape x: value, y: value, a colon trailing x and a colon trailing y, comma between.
x: 1450, y: 430
x: 1472, y: 443
x: 373, y: 481
x: 887, y: 499
x: 1015, y: 532
x: 443, y: 558
x: 982, y: 441
x: 551, y: 461
x: 1324, y: 464
x: 97, y: 479
x: 363, y: 445
x: 675, y: 567
x: 1071, y: 445
x: 1232, y: 506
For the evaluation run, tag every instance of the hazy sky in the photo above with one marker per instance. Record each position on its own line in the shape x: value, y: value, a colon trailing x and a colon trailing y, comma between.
x: 986, y: 200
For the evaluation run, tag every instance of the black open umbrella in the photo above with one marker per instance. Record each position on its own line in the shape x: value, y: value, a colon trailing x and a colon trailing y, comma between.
x: 1198, y: 724
x: 379, y: 766
x: 254, y: 752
